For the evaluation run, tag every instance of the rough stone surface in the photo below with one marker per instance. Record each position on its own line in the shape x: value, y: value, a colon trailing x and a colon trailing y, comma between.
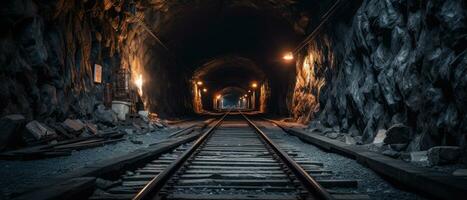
x: 393, y: 62
x: 398, y: 134
x: 380, y: 137
x: 10, y: 130
x: 39, y: 130
x: 74, y: 124
x: 104, y: 115
x: 443, y: 155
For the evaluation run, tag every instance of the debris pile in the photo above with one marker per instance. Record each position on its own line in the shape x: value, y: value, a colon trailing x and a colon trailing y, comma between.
x: 22, y: 139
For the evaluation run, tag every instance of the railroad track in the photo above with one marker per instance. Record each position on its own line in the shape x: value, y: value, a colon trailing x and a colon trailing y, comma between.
x: 234, y: 159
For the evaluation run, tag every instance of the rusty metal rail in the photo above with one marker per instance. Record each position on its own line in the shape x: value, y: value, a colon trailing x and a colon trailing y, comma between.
x: 311, y: 185
x: 154, y: 186
x: 152, y: 190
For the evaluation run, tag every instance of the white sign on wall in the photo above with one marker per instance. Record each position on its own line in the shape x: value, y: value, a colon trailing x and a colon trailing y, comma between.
x: 97, y: 73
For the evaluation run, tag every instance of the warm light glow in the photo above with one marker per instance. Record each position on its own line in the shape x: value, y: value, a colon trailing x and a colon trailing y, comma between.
x: 199, y: 83
x: 254, y: 85
x: 249, y: 91
x: 139, y: 84
x: 245, y: 95
x: 288, y: 56
x: 205, y: 90
x: 218, y: 96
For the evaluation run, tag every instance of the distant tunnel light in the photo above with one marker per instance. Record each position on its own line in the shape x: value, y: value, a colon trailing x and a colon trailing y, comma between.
x: 199, y: 83
x: 254, y: 85
x: 288, y: 56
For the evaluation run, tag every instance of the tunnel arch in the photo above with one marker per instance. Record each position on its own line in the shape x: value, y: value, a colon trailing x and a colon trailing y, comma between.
x: 193, y: 34
x: 221, y: 73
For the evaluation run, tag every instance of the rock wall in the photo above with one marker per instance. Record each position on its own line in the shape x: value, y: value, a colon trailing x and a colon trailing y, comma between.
x: 48, y: 50
x: 397, y: 62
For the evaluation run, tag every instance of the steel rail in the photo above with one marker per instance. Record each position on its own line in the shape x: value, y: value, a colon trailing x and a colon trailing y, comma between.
x: 311, y: 185
x: 153, y: 187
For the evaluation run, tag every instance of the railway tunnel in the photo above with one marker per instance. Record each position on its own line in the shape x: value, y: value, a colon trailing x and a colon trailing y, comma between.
x: 92, y: 84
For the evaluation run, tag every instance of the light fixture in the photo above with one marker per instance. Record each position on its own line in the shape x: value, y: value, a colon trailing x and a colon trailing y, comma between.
x: 254, y: 85
x: 139, y: 84
x: 205, y: 90
x: 199, y: 83
x: 218, y: 96
x: 288, y: 56
x: 249, y: 91
x: 245, y: 95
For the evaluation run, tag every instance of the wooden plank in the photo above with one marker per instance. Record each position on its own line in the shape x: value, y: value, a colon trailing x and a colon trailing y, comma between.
x: 230, y: 197
x: 226, y: 187
x: 233, y: 182
x: 233, y: 168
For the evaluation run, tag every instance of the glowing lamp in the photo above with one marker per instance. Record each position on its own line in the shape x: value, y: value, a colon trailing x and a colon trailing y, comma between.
x: 199, y: 83
x: 288, y: 56
x: 205, y: 90
x: 254, y: 85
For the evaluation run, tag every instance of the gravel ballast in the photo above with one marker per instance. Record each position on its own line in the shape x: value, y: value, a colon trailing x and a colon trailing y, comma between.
x: 20, y: 175
x: 343, y: 168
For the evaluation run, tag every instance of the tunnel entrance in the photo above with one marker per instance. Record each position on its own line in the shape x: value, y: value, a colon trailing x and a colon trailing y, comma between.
x: 229, y: 80
x: 228, y: 44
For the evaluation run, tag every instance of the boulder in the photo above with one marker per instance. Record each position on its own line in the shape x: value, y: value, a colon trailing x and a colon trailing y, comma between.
x: 10, y: 127
x: 398, y: 134
x: 75, y: 125
x: 315, y: 125
x: 92, y: 128
x: 39, y: 130
x: 444, y: 155
x: 104, y: 115
x: 348, y: 140
x: 332, y: 135
x: 143, y: 114
x: 418, y: 156
x: 380, y: 136
x: 354, y: 131
x: 460, y: 172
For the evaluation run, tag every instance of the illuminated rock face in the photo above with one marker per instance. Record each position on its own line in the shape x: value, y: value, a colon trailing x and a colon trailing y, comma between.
x: 397, y: 62
x: 49, y: 50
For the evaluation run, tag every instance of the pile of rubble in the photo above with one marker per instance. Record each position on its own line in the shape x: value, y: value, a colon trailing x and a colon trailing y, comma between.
x: 23, y: 139
x: 395, y: 142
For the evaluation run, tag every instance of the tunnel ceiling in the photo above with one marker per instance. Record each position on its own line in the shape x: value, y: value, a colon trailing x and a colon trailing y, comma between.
x: 200, y: 32
x: 227, y: 71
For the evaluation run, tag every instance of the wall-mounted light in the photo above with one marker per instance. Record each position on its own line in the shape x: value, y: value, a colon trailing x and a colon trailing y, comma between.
x: 199, y: 83
x: 205, y: 90
x: 288, y: 56
x: 218, y: 96
x: 254, y: 85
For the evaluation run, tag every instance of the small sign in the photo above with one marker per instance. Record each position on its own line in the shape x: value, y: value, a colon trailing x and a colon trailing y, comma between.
x: 97, y: 73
